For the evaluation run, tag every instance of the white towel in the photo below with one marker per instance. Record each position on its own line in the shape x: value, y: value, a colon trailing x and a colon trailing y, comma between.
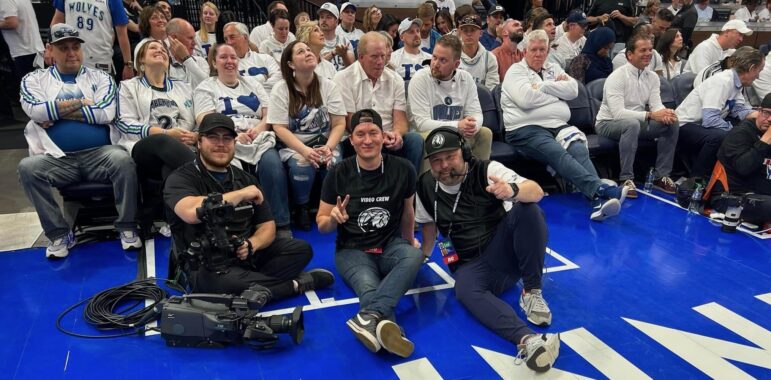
x: 253, y: 151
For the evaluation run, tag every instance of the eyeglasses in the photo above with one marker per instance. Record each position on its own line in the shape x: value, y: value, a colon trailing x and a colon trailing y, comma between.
x: 66, y: 32
x: 215, y: 138
x: 764, y: 113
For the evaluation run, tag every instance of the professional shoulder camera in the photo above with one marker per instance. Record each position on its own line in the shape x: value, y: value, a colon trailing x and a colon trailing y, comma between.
x: 216, y: 247
x: 214, y: 320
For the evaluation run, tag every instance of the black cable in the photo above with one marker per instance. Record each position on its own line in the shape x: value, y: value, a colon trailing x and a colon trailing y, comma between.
x: 106, y: 310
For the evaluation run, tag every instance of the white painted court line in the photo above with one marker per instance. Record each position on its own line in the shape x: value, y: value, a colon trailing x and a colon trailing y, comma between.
x: 667, y: 201
x: 150, y: 270
x: 420, y: 369
x: 315, y: 303
x: 765, y: 298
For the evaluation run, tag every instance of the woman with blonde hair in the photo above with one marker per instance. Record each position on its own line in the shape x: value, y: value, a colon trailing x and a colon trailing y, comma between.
x: 310, y: 34
x: 372, y: 17
x: 207, y: 36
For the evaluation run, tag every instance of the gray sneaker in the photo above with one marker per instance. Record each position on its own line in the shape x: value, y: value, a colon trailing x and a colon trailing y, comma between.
x: 539, y: 351
x: 535, y: 307
x: 392, y: 339
x: 364, y: 326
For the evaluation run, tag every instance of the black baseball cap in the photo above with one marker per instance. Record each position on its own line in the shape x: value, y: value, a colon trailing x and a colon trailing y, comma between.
x: 366, y: 116
x: 216, y: 120
x: 577, y: 16
x: 766, y: 103
x: 443, y: 139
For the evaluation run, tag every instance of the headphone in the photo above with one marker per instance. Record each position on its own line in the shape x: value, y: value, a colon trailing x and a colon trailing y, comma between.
x: 464, y: 148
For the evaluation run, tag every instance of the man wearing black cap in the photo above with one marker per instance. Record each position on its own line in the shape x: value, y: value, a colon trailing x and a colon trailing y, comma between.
x: 495, y: 18
x: 263, y: 259
x: 492, y: 234
x: 368, y: 200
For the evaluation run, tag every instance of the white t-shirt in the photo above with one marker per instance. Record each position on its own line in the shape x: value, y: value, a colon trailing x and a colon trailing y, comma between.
x: 25, y: 39
x: 449, y: 5
x: 272, y: 47
x: 763, y: 15
x: 352, y: 36
x: 325, y: 69
x: 407, y: 64
x: 567, y: 50
x: 262, y: 67
x: 243, y: 104
x: 705, y: 14
x: 745, y: 15
x: 202, y: 48
x: 309, y: 122
x: 494, y: 169
x: 762, y: 85
x: 329, y: 45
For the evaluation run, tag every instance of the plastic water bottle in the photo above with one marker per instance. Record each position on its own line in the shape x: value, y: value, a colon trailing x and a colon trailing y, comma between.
x: 693, y: 207
x: 649, y: 180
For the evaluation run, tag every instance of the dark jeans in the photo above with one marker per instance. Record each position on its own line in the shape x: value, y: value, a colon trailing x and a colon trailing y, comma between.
x: 22, y: 65
x: 704, y: 141
x: 273, y: 267
x: 380, y: 280
x: 572, y: 164
x: 158, y: 155
x: 516, y: 251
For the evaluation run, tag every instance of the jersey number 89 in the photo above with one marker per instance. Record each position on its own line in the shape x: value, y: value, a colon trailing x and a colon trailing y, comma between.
x: 89, y: 24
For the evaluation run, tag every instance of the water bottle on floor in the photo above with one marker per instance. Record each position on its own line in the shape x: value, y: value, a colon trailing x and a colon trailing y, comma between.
x: 649, y: 180
x: 693, y: 207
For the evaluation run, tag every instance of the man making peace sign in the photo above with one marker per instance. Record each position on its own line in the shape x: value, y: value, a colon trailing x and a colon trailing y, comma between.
x: 492, y: 234
x: 368, y: 199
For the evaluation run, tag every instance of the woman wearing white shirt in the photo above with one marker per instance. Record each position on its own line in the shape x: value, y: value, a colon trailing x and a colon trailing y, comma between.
x: 156, y: 115
x: 206, y: 36
x: 276, y: 43
x: 310, y: 34
x: 308, y: 115
x: 669, y: 47
x: 245, y: 101
x: 747, y: 12
x: 765, y: 14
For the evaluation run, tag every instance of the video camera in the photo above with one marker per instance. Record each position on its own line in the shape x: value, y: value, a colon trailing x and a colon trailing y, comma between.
x: 214, y: 320
x: 216, y: 248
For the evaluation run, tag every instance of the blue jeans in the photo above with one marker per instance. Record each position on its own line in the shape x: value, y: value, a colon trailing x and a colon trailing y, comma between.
x: 302, y: 175
x: 105, y: 164
x: 380, y: 280
x: 572, y: 164
x: 272, y: 177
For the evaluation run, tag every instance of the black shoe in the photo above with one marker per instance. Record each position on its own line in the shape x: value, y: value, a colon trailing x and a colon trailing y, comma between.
x: 302, y: 218
x: 392, y: 338
x: 314, y: 279
x: 364, y: 326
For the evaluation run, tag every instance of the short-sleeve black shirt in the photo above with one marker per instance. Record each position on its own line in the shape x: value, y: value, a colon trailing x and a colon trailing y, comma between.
x: 626, y: 7
x: 193, y: 179
x: 377, y: 200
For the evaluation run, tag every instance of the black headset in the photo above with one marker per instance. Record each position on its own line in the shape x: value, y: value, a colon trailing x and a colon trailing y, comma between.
x: 464, y: 148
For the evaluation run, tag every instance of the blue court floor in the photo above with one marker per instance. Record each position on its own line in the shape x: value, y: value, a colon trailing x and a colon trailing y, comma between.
x: 654, y: 293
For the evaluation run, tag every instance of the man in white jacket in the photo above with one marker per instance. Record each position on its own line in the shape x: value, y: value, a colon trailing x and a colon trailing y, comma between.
x: 631, y: 109
x: 70, y: 137
x: 480, y: 63
x: 185, y: 65
x: 445, y: 96
x: 535, y: 115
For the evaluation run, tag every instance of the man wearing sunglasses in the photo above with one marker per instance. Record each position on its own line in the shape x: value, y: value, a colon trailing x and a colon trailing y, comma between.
x: 71, y: 108
x: 262, y: 259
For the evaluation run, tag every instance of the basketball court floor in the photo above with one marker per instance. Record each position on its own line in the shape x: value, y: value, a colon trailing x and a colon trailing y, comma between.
x: 654, y: 293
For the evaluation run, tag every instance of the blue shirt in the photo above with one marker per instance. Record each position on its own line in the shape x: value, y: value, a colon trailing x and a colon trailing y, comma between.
x: 72, y: 135
x: 488, y: 41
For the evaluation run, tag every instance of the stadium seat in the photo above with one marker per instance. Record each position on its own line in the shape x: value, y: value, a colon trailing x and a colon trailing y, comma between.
x: 582, y: 115
x: 683, y: 85
x: 491, y: 110
x: 594, y: 89
x: 752, y: 96
x: 668, y: 94
x: 91, y: 208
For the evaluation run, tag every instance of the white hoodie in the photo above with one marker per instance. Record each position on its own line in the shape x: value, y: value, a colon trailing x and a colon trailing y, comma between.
x: 483, y: 67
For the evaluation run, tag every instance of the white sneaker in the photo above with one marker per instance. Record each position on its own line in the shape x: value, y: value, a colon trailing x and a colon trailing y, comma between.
x: 165, y: 230
x: 129, y: 239
x: 60, y: 248
x: 539, y: 351
x: 535, y: 307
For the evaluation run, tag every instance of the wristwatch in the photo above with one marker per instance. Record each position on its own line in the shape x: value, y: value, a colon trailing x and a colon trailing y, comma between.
x: 514, y: 189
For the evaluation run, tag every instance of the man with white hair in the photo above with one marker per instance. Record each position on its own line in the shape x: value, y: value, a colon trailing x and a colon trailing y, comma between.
x: 367, y: 84
x: 535, y: 115
x: 337, y: 48
x: 409, y: 58
x: 185, y: 65
x: 718, y: 46
x: 261, y: 67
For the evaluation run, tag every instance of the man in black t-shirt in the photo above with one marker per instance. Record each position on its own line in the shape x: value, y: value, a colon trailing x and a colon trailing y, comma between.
x: 616, y: 14
x: 263, y: 259
x: 493, y: 233
x: 368, y: 199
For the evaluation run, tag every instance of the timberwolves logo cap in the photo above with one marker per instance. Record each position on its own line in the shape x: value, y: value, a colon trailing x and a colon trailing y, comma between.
x: 63, y: 32
x: 442, y: 140
x: 366, y: 116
